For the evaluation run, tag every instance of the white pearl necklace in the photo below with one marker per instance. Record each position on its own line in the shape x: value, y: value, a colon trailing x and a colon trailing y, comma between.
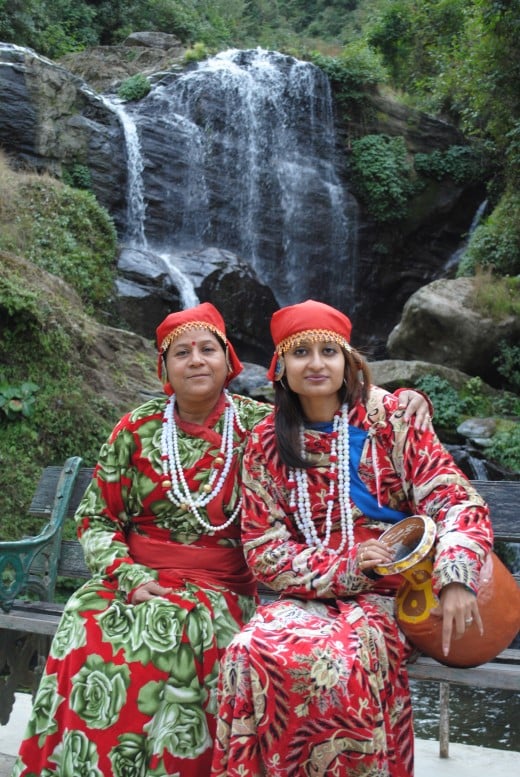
x: 179, y: 493
x: 339, y: 474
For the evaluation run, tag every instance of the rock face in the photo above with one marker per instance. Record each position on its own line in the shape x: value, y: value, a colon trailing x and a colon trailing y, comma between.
x: 51, y: 120
x: 151, y: 286
x: 394, y: 373
x: 287, y: 214
x: 105, y: 67
x: 440, y: 324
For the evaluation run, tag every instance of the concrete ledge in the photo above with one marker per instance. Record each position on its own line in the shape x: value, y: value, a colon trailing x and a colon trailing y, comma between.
x: 463, y: 760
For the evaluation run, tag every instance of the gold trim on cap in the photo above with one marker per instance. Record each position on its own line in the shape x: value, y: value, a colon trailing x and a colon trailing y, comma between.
x: 179, y: 330
x: 314, y: 336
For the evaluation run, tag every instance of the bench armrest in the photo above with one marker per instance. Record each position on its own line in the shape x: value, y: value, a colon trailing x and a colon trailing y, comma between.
x: 30, y: 565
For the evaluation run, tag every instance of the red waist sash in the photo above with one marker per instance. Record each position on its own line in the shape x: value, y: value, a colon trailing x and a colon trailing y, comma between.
x: 195, y: 564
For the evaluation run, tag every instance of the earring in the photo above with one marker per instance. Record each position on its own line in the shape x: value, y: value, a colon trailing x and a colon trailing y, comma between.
x: 228, y: 362
x: 279, y: 370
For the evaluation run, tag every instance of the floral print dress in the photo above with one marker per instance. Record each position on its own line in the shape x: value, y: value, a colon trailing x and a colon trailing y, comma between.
x: 316, y: 683
x: 130, y: 690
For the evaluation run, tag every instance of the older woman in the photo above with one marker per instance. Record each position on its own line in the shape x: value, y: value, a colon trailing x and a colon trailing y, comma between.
x: 130, y: 684
x: 316, y: 683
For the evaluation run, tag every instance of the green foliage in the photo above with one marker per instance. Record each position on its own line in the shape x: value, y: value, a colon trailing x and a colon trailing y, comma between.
x: 65, y: 420
x: 134, y: 88
x: 463, y: 164
x: 196, y: 53
x: 63, y: 230
x: 445, y: 399
x: 451, y: 407
x: 357, y: 68
x: 17, y: 401
x: 505, y: 448
x: 410, y: 35
x: 495, y: 244
x: 381, y: 176
x: 62, y: 418
x: 77, y: 176
x: 53, y: 29
x: 497, y: 297
x: 508, y: 365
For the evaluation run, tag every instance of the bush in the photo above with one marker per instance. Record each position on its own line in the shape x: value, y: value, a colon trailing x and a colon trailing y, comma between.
x: 381, y: 176
x: 447, y: 404
x: 495, y: 244
x: 508, y: 365
x: 358, y: 67
x: 505, y: 448
x: 77, y: 176
x: 196, y: 53
x: 463, y: 164
x: 134, y: 88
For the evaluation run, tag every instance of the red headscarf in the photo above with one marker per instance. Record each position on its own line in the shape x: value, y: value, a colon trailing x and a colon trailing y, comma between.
x: 204, y: 316
x: 309, y: 320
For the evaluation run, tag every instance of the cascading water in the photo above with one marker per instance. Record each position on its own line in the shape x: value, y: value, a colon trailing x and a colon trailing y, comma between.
x: 135, y: 209
x: 239, y: 153
x: 454, y: 260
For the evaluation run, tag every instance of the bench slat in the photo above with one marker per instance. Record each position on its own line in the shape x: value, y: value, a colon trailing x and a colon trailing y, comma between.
x: 503, y: 498
x: 43, y: 498
x: 490, y: 675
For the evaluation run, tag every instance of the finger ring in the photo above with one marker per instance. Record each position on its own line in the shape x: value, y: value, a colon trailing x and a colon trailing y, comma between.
x: 469, y: 620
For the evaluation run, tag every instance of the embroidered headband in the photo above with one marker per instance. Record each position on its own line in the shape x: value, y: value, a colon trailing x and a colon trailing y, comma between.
x: 179, y: 330
x: 311, y: 321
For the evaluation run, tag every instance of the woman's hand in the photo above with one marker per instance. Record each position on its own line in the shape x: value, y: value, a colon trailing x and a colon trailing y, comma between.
x: 414, y: 404
x: 372, y: 553
x: 458, y: 609
x: 148, y: 591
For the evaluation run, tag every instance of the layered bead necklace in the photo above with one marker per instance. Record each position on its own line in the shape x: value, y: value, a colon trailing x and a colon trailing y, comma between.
x: 179, y: 492
x: 339, y: 489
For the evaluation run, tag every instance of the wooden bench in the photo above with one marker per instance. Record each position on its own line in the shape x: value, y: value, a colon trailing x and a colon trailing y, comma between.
x: 31, y: 567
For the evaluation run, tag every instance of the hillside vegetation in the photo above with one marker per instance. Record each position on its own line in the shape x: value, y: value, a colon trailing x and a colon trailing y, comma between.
x: 64, y: 379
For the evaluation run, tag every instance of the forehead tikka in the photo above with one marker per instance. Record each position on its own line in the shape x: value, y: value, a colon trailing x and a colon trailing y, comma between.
x: 179, y: 330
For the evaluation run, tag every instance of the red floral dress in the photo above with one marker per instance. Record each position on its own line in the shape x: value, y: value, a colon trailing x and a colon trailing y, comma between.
x: 316, y: 683
x: 130, y: 690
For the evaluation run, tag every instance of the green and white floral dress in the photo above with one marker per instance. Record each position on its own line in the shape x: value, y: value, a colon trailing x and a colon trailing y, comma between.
x: 129, y: 690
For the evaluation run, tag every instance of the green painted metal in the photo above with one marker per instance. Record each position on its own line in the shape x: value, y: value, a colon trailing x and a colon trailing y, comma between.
x: 29, y: 566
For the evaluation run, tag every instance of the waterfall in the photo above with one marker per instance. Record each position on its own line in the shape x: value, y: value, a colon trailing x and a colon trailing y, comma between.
x: 182, y: 281
x: 240, y: 155
x: 135, y: 208
x: 135, y: 237
x: 453, y: 260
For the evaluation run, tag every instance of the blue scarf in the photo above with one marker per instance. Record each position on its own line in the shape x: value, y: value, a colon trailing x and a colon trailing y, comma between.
x: 359, y: 493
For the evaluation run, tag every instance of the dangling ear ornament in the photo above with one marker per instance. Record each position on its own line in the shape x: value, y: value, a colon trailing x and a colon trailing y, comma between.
x: 228, y: 361
x: 279, y: 370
